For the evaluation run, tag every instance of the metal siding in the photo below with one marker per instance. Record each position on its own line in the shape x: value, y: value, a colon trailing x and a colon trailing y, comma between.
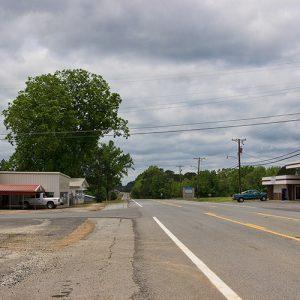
x: 64, y: 183
x: 49, y: 181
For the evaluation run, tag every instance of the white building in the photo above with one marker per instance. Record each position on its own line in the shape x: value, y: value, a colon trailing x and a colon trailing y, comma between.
x: 77, y: 188
x: 56, y: 184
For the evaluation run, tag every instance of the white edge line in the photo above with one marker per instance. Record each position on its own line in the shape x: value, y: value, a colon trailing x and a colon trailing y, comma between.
x: 223, y: 288
x: 137, y: 203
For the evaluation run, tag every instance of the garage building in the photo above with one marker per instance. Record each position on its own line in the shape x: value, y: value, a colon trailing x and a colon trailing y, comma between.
x: 55, y: 184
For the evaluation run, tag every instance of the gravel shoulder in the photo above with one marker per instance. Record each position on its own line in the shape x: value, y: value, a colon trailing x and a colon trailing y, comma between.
x: 87, y: 269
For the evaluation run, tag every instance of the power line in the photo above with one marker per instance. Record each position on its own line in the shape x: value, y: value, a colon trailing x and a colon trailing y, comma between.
x: 196, y: 102
x: 163, y: 126
x: 288, y: 65
x: 228, y: 99
x: 221, y: 121
x: 274, y: 159
x: 213, y: 128
x: 197, y: 92
x: 269, y: 163
x: 178, y: 130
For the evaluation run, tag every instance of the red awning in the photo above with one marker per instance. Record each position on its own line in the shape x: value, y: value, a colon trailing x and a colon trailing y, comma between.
x: 16, y: 189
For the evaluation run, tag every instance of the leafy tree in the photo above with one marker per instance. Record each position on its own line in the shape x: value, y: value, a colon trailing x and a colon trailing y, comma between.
x: 56, y: 121
x: 151, y: 183
x: 127, y: 188
x: 109, y: 166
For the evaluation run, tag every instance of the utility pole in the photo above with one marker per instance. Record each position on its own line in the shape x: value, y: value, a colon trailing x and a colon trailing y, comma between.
x: 180, y: 170
x: 240, y: 150
x: 198, y: 174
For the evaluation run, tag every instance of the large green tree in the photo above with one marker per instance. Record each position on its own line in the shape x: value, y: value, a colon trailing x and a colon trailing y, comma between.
x: 108, y: 167
x: 55, y: 123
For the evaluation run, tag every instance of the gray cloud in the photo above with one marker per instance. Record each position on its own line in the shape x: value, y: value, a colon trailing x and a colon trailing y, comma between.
x: 173, y: 62
x: 250, y: 33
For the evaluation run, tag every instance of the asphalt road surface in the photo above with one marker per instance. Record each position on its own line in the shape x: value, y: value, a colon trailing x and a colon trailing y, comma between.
x: 164, y: 249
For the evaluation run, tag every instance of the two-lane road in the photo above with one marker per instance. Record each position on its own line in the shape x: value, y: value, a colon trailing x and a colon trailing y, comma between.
x: 153, y: 249
x: 248, y: 251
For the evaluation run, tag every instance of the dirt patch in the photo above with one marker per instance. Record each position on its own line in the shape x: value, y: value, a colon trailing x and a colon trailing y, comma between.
x: 12, y: 212
x: 96, y: 207
x: 30, y: 229
x: 23, y: 242
x: 78, y: 234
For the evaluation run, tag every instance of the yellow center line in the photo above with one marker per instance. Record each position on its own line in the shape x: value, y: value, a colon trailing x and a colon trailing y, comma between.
x: 254, y: 226
x: 281, y: 217
x: 167, y: 203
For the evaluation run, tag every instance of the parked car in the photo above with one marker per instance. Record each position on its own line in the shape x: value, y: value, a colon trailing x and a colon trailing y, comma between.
x: 249, y: 195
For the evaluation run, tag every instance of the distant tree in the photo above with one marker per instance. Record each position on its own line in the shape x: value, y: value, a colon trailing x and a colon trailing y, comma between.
x: 127, y: 188
x: 189, y: 175
x: 109, y: 166
x: 152, y: 183
x: 56, y: 122
x: 285, y: 171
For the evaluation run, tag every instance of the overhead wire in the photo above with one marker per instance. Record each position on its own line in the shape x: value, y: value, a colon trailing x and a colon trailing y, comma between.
x: 166, y: 131
x: 272, y: 162
x: 197, y: 92
x: 166, y: 126
x: 212, y: 122
x: 213, y: 128
x: 209, y: 101
x: 274, y: 158
x: 287, y: 65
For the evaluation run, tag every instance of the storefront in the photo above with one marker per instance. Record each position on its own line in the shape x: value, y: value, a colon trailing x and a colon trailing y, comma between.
x: 284, y: 187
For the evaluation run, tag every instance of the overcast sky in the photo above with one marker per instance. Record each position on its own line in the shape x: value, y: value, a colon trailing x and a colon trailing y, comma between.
x: 173, y: 62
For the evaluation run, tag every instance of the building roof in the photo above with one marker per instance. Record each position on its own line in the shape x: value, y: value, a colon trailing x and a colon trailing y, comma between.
x: 281, y: 179
x: 293, y: 165
x: 78, y: 182
x: 33, y: 173
x: 18, y: 189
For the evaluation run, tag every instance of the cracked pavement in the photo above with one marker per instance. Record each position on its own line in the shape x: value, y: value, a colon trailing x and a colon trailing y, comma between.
x: 88, y: 269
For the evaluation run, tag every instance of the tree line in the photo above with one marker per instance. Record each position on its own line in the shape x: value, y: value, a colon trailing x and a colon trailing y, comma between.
x: 155, y: 182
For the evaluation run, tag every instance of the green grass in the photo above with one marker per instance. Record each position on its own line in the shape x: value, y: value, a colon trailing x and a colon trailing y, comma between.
x: 212, y: 199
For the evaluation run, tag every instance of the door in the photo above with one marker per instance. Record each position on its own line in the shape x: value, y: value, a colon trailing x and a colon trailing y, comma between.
x: 284, y: 194
x: 297, y: 192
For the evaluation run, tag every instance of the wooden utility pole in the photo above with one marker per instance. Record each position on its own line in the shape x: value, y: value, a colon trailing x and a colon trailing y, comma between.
x: 180, y: 170
x: 240, y: 150
x: 198, y: 174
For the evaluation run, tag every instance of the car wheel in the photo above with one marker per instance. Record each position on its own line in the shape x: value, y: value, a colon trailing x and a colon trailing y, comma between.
x: 241, y: 200
x: 263, y: 198
x: 50, y: 205
x: 26, y: 205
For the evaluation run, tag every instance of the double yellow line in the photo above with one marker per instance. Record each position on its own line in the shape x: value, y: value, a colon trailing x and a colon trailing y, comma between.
x: 257, y: 227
